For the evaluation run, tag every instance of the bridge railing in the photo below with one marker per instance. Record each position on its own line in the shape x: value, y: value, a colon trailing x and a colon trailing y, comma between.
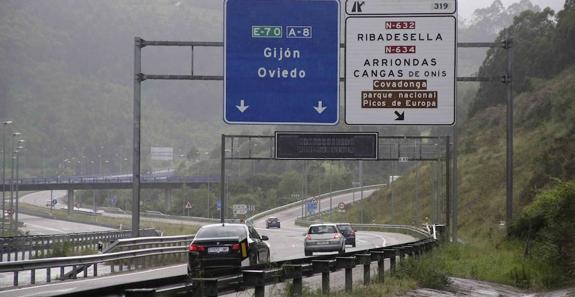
x: 123, y: 255
x: 111, y: 179
x: 40, y: 246
x: 130, y: 244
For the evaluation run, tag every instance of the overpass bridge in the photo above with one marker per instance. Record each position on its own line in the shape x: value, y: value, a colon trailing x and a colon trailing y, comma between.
x: 108, y: 182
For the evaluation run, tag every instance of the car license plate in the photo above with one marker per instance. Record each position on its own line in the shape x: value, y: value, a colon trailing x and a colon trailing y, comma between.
x: 323, y: 242
x: 217, y: 250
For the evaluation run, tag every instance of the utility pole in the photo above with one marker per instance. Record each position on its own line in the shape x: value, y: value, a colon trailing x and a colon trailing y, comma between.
x: 18, y: 151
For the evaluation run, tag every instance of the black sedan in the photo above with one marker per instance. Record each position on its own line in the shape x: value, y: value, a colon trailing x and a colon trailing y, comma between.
x: 273, y: 222
x: 224, y: 248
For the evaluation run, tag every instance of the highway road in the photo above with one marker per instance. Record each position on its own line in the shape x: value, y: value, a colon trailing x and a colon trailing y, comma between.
x: 286, y: 243
x: 42, y: 226
x: 41, y: 198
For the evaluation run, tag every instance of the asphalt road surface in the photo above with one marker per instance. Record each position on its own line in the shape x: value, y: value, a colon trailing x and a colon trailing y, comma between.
x: 286, y: 243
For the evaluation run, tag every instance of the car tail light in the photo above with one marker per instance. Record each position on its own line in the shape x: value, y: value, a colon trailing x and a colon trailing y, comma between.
x: 197, y: 248
x: 308, y: 237
x: 236, y: 247
x: 337, y: 236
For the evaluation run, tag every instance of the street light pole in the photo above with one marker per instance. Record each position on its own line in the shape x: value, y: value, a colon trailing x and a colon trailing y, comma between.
x: 4, y: 125
x: 14, y: 135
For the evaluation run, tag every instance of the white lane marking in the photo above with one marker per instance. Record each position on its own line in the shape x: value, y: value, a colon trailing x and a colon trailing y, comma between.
x: 57, y: 291
x: 383, y: 240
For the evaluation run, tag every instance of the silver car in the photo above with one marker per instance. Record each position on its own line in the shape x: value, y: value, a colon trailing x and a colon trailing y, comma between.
x: 324, y: 238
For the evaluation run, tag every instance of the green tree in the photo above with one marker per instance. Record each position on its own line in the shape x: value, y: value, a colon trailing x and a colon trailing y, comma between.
x: 533, y: 36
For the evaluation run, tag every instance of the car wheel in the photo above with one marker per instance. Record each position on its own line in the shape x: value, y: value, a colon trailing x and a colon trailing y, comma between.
x: 307, y: 254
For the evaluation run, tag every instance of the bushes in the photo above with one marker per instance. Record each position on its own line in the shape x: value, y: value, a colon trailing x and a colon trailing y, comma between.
x: 547, y: 226
x: 430, y: 272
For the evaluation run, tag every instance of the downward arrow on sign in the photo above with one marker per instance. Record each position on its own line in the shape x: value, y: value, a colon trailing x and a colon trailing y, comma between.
x: 320, y: 108
x: 242, y: 107
x: 400, y: 116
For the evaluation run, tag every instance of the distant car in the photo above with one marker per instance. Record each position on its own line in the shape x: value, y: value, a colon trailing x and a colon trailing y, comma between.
x: 324, y: 238
x: 272, y: 222
x: 226, y: 247
x: 348, y: 232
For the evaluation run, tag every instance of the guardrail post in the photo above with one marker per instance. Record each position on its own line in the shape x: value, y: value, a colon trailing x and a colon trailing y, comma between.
x: 48, y: 276
x: 323, y: 266
x: 62, y: 276
x: 95, y: 269
x: 255, y: 278
x: 416, y: 250
x: 402, y: 252
x: 15, y: 278
x: 365, y: 260
x: 295, y: 271
x: 392, y: 254
x: 33, y: 276
x: 379, y: 256
x: 348, y: 263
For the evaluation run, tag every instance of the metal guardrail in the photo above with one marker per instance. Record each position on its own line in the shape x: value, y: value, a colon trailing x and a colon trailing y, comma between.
x: 93, y: 260
x: 322, y: 196
x: 39, y: 246
x: 115, y: 256
x: 416, y: 232
x: 259, y: 276
x: 294, y: 270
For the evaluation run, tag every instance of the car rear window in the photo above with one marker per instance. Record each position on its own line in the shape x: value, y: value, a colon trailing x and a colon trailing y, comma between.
x: 221, y: 231
x: 273, y: 219
x: 322, y: 229
x: 344, y: 228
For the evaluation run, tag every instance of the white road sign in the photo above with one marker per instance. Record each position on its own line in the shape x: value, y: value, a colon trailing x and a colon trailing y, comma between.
x: 395, y: 7
x: 400, y: 70
x: 240, y: 209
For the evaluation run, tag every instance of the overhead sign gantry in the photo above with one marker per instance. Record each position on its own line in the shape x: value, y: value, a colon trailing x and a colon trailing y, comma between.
x: 281, y: 63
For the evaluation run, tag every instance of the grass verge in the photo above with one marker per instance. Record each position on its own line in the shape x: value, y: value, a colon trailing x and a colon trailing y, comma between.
x: 393, y: 286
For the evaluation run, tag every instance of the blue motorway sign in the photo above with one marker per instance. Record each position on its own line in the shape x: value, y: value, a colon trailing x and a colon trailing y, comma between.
x: 311, y: 207
x: 281, y: 62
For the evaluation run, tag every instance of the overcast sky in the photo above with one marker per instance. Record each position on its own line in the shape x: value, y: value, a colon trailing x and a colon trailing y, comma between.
x: 466, y: 7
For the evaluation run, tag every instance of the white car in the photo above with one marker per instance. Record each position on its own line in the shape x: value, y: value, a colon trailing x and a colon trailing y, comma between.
x: 324, y: 238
